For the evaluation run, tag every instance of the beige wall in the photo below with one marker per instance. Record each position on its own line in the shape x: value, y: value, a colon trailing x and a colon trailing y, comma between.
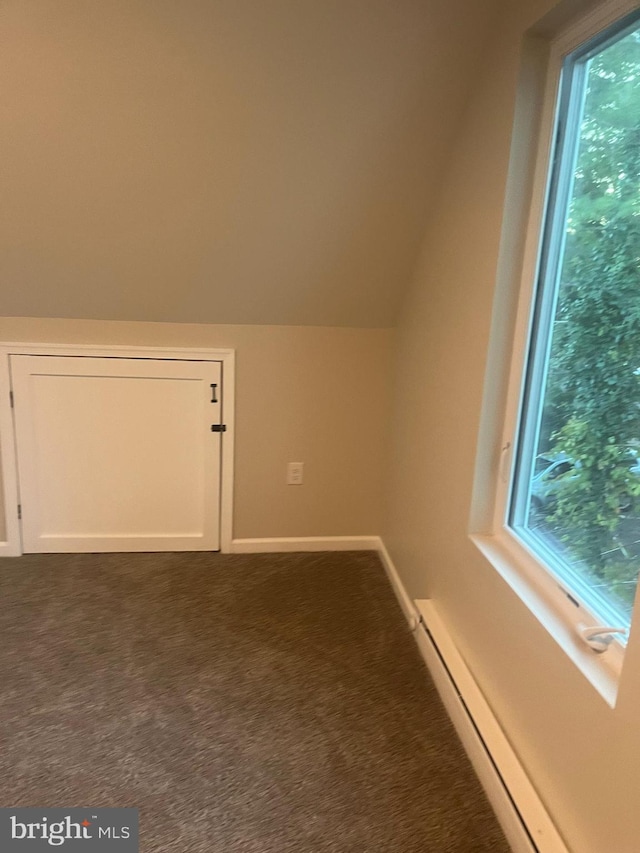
x: 236, y: 162
x: 223, y: 161
x: 303, y: 394
x: 583, y: 757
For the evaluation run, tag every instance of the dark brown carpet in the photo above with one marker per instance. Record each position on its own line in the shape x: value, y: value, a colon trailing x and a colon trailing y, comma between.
x: 245, y: 704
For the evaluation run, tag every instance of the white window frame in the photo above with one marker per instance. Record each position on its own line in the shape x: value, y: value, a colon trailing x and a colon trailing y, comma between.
x: 522, y: 567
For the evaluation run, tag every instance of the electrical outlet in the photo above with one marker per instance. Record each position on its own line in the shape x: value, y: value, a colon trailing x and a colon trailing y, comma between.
x: 294, y: 473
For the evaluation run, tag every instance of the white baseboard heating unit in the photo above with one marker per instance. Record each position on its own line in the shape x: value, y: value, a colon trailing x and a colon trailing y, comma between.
x: 522, y: 815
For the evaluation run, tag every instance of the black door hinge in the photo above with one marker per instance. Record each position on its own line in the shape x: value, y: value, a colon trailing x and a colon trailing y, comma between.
x: 19, y: 511
x: 218, y: 427
x: 11, y: 398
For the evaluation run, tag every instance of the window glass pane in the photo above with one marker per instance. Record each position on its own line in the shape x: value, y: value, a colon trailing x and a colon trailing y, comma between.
x: 577, y: 495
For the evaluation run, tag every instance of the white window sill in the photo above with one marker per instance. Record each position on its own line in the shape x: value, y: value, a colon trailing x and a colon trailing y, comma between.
x: 541, y: 593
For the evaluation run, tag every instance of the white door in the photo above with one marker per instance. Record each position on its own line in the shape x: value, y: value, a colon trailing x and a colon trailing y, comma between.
x: 117, y: 454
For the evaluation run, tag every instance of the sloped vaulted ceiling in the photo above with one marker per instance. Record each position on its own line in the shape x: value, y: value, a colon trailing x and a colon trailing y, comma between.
x: 224, y: 161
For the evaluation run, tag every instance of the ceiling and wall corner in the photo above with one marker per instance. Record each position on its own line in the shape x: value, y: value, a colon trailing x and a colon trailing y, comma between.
x: 235, y: 161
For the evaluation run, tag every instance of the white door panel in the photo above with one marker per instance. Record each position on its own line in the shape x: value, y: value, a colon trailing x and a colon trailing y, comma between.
x: 117, y: 454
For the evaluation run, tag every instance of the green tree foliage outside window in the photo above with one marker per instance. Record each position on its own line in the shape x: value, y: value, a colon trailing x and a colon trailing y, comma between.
x: 591, y: 400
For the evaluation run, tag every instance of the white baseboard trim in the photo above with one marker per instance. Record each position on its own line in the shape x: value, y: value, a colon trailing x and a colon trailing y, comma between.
x: 518, y: 808
x: 305, y: 543
x: 9, y: 549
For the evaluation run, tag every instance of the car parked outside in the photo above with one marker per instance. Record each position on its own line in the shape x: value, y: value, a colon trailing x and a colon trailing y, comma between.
x: 551, y: 474
x: 554, y: 472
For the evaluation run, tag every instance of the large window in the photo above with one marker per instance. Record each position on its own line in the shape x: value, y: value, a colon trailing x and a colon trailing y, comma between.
x: 575, y: 493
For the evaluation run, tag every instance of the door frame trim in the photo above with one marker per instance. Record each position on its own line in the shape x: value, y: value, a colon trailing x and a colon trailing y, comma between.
x: 11, y: 546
